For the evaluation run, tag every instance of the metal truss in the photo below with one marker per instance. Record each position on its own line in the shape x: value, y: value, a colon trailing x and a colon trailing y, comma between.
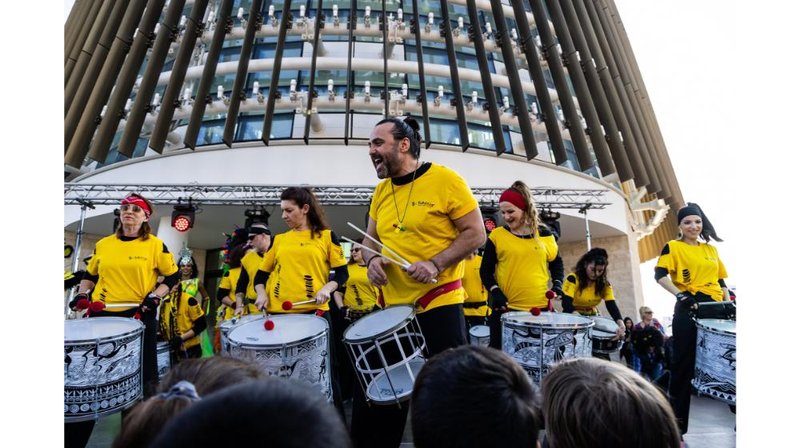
x: 255, y: 195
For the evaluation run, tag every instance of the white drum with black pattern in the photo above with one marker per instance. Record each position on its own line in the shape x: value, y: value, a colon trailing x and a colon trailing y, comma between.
x: 603, y: 335
x: 479, y: 335
x: 715, y: 360
x: 538, y: 342
x: 296, y: 348
x: 102, y: 366
x: 163, y: 359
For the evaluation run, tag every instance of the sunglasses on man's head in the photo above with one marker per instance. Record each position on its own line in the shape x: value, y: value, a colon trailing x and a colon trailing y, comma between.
x: 126, y: 207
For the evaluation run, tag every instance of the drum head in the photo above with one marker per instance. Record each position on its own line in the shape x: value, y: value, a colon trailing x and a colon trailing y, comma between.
x: 89, y: 330
x: 382, y: 389
x: 289, y: 329
x: 379, y: 323
x: 547, y: 320
x: 227, y: 325
x: 718, y: 325
x: 479, y: 331
x: 604, y: 326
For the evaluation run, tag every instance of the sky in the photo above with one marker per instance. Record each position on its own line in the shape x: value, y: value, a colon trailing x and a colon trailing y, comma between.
x: 723, y: 82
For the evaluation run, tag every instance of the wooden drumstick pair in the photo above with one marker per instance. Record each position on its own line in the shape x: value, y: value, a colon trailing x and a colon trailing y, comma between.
x: 400, y: 261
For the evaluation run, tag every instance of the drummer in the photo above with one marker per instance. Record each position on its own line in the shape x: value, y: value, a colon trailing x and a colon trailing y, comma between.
x: 124, y: 271
x: 298, y: 267
x: 691, y: 270
x: 519, y: 260
x: 427, y: 214
x: 587, y: 286
x: 259, y: 239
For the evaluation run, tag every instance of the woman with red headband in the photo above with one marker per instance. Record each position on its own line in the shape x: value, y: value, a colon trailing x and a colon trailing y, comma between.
x: 519, y: 260
x: 124, y: 272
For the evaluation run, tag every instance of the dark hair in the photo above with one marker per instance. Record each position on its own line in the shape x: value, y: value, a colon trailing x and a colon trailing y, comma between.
x: 143, y: 422
x: 316, y: 215
x: 474, y: 396
x: 405, y: 128
x: 235, y: 255
x: 627, y: 319
x: 708, y: 233
x: 195, y: 271
x: 594, y: 402
x: 600, y: 257
x: 144, y: 230
x: 289, y: 415
x: 352, y: 260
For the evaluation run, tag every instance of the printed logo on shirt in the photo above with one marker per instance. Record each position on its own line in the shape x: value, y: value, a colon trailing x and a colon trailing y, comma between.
x: 687, y: 276
x: 422, y: 204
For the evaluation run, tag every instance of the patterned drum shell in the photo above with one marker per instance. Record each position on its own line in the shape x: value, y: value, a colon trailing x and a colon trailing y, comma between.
x: 602, y: 333
x: 102, y: 366
x: 562, y: 336
x: 163, y: 359
x: 715, y: 361
x: 296, y: 348
x: 226, y: 326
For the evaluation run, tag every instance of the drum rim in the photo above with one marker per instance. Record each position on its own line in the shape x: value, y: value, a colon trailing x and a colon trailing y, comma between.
x: 479, y: 336
x: 411, y: 317
x: 137, y: 330
x: 326, y: 331
x: 231, y: 326
x: 700, y: 324
x: 512, y: 314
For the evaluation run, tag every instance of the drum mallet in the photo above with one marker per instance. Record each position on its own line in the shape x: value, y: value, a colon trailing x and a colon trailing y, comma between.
x: 288, y: 305
x: 269, y: 325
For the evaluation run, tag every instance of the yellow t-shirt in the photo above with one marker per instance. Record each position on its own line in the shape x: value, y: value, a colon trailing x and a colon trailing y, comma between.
x: 300, y: 266
x: 128, y: 270
x: 179, y: 311
x: 250, y: 263
x: 434, y: 200
x: 473, y: 287
x: 360, y: 294
x: 693, y: 268
x: 586, y: 298
x: 229, y: 281
x: 521, y: 270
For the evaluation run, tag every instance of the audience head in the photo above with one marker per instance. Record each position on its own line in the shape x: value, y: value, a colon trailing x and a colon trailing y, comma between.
x: 474, y: 396
x: 185, y: 383
x: 281, y: 412
x: 590, y: 402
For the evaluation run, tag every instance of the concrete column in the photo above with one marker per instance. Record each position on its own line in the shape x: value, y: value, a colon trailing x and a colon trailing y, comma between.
x: 172, y: 238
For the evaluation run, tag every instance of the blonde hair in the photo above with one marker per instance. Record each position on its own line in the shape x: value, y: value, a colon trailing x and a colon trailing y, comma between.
x: 643, y: 310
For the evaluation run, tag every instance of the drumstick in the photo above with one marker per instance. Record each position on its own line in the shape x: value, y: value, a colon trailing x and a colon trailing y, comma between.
x: 389, y: 249
x: 287, y: 305
x: 404, y: 266
x: 269, y: 325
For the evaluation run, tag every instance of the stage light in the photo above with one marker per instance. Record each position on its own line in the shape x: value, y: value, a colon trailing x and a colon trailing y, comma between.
x: 183, y: 217
x: 256, y: 215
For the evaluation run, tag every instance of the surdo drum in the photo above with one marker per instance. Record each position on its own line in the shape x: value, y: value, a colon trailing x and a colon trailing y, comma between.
x: 296, y: 348
x: 386, y: 348
x: 715, y: 361
x: 479, y: 335
x: 227, y: 325
x: 538, y: 342
x: 602, y: 333
x: 102, y: 366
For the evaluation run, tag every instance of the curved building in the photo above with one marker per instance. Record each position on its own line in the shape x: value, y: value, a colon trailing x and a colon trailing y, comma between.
x: 226, y: 102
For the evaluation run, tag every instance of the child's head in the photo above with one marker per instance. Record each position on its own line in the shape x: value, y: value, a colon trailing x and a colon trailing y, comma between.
x: 594, y: 402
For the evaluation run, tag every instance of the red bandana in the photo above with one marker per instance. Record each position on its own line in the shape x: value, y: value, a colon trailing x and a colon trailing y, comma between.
x: 140, y: 202
x: 513, y: 197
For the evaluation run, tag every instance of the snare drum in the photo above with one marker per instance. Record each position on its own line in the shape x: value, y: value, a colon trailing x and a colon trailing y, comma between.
x: 715, y: 362
x: 602, y: 333
x: 163, y: 359
x: 226, y: 326
x: 296, y: 348
x: 102, y: 366
x: 479, y: 335
x: 386, y: 348
x: 562, y: 336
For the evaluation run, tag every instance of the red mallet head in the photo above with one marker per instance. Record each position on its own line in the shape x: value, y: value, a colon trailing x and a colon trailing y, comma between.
x: 83, y: 304
x: 536, y: 311
x: 550, y: 294
x: 269, y: 325
x: 96, y: 307
x: 287, y: 305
